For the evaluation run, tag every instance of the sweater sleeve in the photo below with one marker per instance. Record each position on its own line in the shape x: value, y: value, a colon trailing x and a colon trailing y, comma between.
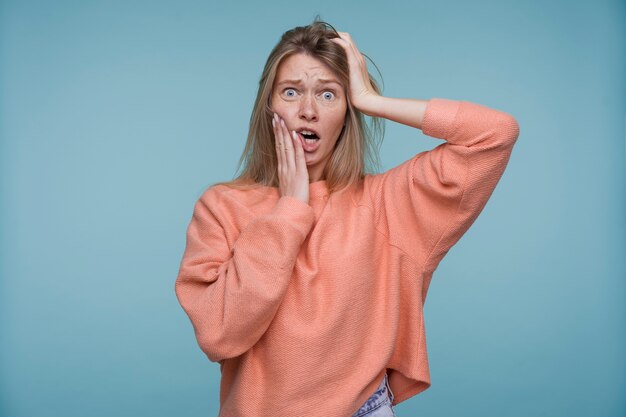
x: 231, y: 294
x: 427, y: 203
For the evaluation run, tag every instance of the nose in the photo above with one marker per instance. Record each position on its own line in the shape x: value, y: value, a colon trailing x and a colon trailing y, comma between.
x: 308, y: 108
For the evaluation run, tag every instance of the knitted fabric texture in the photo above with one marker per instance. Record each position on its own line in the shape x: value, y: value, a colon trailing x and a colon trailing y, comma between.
x: 305, y: 306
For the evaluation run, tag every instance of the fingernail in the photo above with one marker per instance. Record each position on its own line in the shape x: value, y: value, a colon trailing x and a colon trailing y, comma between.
x: 273, y: 123
x: 293, y: 135
x: 282, y: 122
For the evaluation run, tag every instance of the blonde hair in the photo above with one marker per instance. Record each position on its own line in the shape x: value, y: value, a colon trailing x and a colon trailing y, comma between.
x: 356, y: 150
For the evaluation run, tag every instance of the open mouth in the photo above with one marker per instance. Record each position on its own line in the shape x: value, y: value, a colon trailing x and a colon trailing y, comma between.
x: 309, y: 136
x: 309, y: 139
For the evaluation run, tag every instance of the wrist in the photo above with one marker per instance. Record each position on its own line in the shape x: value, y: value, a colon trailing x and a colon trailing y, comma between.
x: 370, y: 104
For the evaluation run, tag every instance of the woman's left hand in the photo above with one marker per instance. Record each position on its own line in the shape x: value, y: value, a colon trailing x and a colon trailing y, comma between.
x: 361, y: 90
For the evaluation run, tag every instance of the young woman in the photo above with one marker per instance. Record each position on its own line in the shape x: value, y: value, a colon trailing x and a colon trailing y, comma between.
x: 306, y: 277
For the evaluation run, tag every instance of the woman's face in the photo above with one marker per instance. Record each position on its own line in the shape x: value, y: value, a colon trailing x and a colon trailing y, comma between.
x: 311, y: 100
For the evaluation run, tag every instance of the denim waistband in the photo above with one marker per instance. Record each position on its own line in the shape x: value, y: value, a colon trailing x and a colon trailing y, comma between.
x: 382, y: 393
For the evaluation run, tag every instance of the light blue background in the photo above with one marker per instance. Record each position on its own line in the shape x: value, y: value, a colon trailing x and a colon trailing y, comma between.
x: 116, y: 115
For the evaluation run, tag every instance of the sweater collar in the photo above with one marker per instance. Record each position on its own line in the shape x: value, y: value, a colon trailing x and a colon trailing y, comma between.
x: 318, y: 189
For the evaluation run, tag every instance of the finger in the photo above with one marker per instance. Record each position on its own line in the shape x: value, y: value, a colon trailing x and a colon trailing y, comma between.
x: 355, y: 50
x: 347, y: 37
x: 344, y: 36
x: 279, y: 146
x: 342, y: 42
x: 300, y: 160
x: 289, y: 152
x: 283, y: 156
x: 354, y: 55
x: 351, y: 51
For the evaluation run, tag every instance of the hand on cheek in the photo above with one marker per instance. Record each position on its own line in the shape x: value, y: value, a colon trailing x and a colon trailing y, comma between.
x: 293, y: 176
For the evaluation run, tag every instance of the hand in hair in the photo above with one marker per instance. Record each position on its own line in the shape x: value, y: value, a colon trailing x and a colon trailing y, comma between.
x: 293, y: 176
x: 361, y: 89
x: 363, y: 96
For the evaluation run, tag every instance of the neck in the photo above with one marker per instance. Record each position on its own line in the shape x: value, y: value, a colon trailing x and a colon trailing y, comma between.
x: 314, y: 177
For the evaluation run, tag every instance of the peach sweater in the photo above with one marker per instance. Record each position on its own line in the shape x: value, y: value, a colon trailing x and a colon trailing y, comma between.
x: 306, y: 306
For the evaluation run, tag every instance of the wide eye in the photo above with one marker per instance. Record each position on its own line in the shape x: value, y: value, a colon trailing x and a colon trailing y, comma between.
x: 328, y: 95
x: 290, y: 92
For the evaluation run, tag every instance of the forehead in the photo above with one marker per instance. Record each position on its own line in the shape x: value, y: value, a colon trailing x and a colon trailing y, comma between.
x: 305, y: 68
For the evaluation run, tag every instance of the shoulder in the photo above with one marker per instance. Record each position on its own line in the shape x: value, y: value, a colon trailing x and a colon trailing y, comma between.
x: 224, y: 197
x: 374, y: 183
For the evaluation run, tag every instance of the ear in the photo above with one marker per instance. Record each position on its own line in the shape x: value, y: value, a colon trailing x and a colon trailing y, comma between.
x: 269, y: 101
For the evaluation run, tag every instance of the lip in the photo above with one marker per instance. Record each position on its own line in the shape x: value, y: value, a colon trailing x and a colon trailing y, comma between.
x: 309, y: 147
x: 300, y: 129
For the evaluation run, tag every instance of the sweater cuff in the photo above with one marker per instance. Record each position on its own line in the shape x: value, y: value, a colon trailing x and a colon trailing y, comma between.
x: 439, y: 117
x: 296, y: 211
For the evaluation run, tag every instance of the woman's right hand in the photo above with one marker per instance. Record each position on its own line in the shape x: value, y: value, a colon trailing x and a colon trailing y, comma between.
x: 293, y: 175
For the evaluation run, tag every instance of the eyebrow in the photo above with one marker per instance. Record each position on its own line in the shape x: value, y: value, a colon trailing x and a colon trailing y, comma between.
x: 321, y: 81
